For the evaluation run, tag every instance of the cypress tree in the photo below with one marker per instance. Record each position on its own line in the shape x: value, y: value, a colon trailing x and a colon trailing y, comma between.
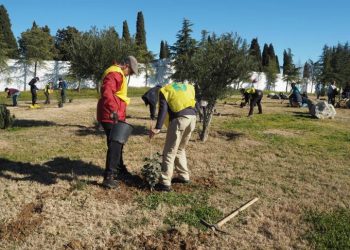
x: 6, y: 33
x: 167, y: 49
x: 126, y: 34
x: 271, y: 52
x: 278, y: 65
x: 140, y: 32
x: 255, y: 52
x: 265, y: 56
x: 307, y: 71
x: 162, y: 52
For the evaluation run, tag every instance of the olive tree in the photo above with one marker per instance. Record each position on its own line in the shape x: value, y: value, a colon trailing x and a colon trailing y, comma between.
x: 218, y: 63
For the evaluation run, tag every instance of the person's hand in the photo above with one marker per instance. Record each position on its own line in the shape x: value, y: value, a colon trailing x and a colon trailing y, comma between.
x: 153, y: 132
x: 114, y: 116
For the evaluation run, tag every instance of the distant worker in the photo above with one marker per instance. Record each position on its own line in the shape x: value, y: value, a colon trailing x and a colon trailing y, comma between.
x: 254, y: 97
x: 318, y: 89
x: 295, y: 97
x: 14, y: 94
x: 48, y: 91
x: 33, y: 91
x: 62, y: 85
x: 151, y: 98
x: 177, y: 109
x: 111, y: 108
x: 332, y: 92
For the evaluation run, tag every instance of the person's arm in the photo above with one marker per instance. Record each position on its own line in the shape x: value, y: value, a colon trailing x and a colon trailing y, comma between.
x: 111, y: 84
x: 163, y: 110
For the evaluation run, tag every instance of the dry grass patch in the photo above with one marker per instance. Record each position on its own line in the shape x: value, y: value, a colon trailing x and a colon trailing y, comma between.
x: 291, y: 162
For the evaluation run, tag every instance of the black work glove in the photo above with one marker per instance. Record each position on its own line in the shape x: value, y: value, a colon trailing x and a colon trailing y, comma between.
x: 114, y: 116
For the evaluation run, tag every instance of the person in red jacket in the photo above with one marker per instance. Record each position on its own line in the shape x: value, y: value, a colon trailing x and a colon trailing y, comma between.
x: 111, y: 108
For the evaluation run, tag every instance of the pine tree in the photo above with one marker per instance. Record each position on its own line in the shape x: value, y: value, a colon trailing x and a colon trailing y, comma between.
x: 126, y: 34
x: 278, y: 65
x: 140, y: 32
x: 265, y: 56
x: 36, y: 45
x: 63, y: 40
x: 183, y: 50
x: 7, y: 35
x: 255, y: 52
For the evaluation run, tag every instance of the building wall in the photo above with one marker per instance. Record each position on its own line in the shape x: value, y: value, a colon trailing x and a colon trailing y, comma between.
x: 18, y: 76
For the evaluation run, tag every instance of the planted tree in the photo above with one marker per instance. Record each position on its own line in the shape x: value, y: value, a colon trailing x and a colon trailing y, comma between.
x: 217, y: 64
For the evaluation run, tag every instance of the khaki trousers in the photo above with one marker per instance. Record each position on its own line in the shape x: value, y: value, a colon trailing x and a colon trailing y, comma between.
x: 174, y: 153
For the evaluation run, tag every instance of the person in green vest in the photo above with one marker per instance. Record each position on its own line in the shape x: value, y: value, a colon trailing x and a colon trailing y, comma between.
x: 47, y: 91
x: 177, y: 111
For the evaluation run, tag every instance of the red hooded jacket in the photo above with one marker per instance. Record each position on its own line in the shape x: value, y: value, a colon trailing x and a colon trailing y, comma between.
x: 108, y: 101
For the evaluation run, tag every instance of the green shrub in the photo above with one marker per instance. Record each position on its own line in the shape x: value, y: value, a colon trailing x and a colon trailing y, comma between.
x: 6, y: 120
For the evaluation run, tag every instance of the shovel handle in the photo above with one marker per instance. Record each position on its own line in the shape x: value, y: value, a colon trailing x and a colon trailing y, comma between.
x: 235, y: 212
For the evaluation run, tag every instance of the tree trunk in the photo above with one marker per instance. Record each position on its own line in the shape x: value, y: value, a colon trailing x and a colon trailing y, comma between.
x: 97, y: 83
x: 25, y: 76
x: 79, y: 85
x: 35, y: 66
x: 207, y: 117
x: 287, y: 87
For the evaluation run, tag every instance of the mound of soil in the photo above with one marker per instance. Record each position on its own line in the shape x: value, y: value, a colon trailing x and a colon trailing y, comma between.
x: 27, y: 221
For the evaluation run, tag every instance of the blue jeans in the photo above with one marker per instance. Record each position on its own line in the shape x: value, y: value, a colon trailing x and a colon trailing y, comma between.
x: 14, y: 99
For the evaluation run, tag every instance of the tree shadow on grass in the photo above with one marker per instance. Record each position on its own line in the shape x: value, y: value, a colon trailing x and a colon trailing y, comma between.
x: 140, y: 130
x: 303, y: 115
x: 22, y: 123
x: 60, y: 168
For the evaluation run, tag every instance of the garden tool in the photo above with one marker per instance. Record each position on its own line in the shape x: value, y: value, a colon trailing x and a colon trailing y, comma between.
x: 216, y: 227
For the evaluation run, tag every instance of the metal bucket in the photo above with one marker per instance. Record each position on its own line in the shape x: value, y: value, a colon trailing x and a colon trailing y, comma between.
x: 120, y: 132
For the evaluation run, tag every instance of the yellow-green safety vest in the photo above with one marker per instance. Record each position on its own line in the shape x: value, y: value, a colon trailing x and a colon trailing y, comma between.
x: 179, y: 96
x: 123, y: 92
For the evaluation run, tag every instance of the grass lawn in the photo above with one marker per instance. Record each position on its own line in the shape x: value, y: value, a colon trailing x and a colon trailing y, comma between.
x: 52, y: 161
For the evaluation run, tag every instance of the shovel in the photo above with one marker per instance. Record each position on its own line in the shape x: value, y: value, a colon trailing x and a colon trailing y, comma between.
x: 220, y: 223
